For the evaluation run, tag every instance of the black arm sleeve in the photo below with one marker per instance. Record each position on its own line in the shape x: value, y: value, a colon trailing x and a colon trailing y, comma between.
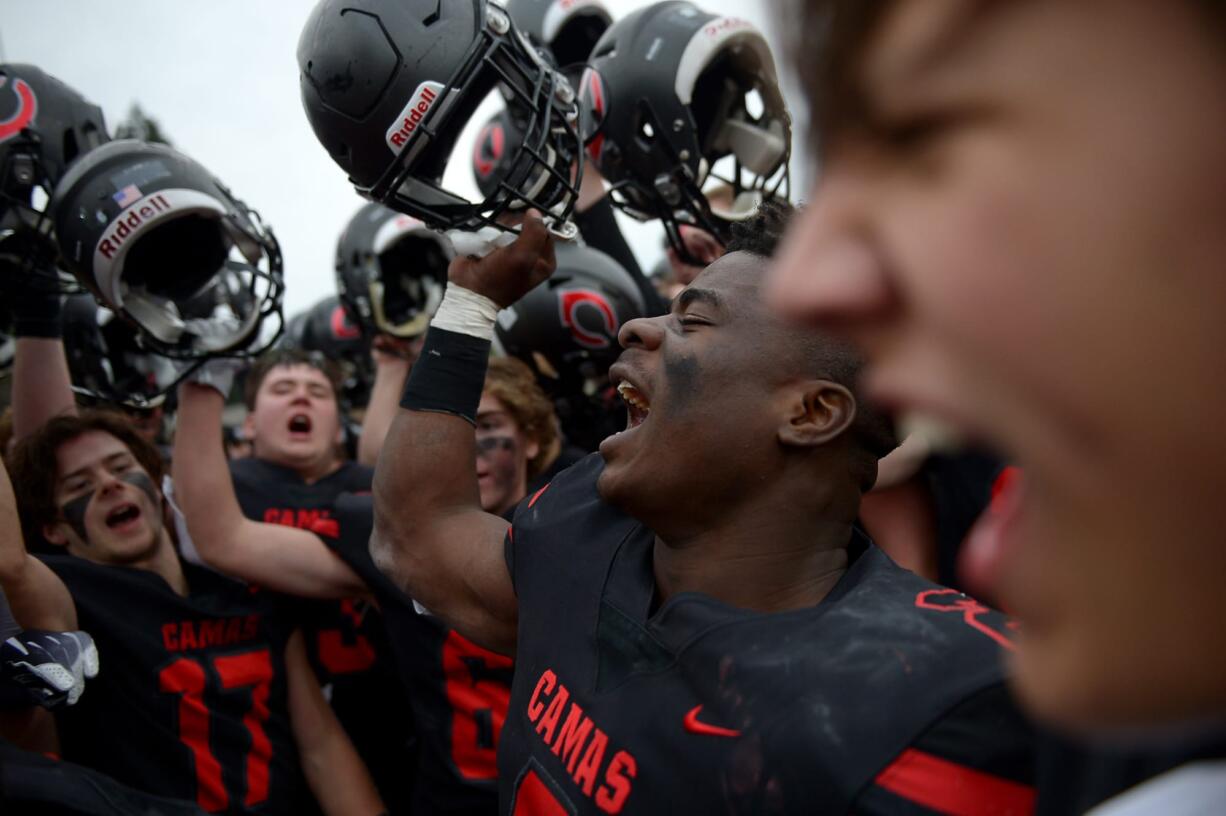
x: 599, y: 228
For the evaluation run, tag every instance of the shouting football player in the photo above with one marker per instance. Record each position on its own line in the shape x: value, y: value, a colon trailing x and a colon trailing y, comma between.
x: 1019, y: 219
x: 695, y: 623
x: 207, y: 694
x: 458, y: 690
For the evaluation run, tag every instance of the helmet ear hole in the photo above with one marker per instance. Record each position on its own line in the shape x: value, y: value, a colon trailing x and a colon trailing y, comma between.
x: 71, y: 149
x: 193, y: 246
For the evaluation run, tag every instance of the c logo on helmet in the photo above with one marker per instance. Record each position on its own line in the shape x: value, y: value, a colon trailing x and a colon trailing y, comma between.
x: 342, y: 329
x: 27, y: 107
x: 569, y: 302
x: 488, y: 150
x: 593, y: 95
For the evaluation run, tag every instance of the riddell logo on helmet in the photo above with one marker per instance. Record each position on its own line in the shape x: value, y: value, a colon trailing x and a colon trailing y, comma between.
x: 726, y: 25
x: 130, y: 221
x: 402, y: 130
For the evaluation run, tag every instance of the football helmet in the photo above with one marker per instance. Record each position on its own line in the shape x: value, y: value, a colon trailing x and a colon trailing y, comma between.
x: 391, y: 271
x: 566, y: 329
x: 106, y: 361
x: 44, y: 127
x: 568, y: 28
x: 388, y: 86
x: 670, y: 91
x: 326, y: 328
x: 161, y: 242
x: 495, y: 143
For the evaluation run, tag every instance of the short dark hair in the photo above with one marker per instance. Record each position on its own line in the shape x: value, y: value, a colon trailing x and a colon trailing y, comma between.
x: 277, y: 358
x: 761, y: 233
x: 827, y: 44
x: 831, y: 359
x: 34, y: 466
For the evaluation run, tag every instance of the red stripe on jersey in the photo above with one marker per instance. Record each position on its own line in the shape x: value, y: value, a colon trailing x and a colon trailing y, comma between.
x: 535, y: 799
x: 954, y: 789
x: 537, y: 494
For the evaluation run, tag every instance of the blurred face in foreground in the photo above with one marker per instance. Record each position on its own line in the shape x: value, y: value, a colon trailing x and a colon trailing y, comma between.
x: 1024, y: 228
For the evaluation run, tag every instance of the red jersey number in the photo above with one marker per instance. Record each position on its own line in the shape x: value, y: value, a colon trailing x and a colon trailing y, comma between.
x: 479, y: 691
x: 188, y: 678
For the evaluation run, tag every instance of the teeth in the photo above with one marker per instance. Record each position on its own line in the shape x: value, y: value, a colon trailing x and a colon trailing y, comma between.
x: 941, y: 436
x: 632, y: 397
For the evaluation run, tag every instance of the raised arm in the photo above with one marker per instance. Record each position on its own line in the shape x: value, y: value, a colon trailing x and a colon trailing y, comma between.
x: 392, y: 358
x: 333, y: 770
x: 41, y: 385
x: 431, y: 535
x: 284, y: 559
x: 37, y: 596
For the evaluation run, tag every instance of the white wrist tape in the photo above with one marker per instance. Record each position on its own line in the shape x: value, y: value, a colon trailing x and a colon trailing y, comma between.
x: 466, y: 312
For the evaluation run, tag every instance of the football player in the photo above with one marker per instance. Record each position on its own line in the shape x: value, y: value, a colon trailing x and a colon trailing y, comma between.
x: 695, y: 623
x: 293, y: 478
x: 458, y: 690
x: 207, y: 694
x: 1021, y: 265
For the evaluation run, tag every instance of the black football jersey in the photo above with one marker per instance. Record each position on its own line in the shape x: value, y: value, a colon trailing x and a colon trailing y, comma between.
x: 887, y: 697
x: 458, y: 690
x: 35, y: 785
x: 191, y: 700
x: 346, y: 642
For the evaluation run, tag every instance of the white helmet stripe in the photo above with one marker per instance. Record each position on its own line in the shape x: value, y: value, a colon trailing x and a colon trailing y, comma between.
x: 120, y: 234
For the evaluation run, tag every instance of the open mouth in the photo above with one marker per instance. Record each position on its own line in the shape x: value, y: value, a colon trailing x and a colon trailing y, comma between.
x: 638, y: 407
x: 122, y: 514
x: 300, y: 424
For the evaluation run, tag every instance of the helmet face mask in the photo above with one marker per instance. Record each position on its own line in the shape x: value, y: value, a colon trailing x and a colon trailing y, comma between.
x: 705, y: 146
x: 397, y: 146
x: 391, y: 272
x: 157, y: 239
x: 44, y: 127
x: 106, y: 361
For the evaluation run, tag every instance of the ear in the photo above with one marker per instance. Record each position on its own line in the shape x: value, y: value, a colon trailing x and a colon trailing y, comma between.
x: 55, y: 534
x: 531, y: 449
x: 249, y: 426
x: 818, y: 412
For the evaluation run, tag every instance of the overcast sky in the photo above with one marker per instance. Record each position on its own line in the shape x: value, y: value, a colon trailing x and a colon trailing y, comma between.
x: 221, y: 79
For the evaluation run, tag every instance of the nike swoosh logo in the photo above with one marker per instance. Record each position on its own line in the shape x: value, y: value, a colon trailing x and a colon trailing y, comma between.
x: 695, y: 726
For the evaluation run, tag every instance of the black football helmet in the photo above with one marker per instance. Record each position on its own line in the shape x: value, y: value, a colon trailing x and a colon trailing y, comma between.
x: 496, y: 143
x: 326, y: 328
x: 670, y: 91
x: 106, y: 361
x: 566, y: 331
x: 568, y: 28
x: 160, y: 241
x: 44, y: 127
x: 391, y: 271
x: 388, y: 86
